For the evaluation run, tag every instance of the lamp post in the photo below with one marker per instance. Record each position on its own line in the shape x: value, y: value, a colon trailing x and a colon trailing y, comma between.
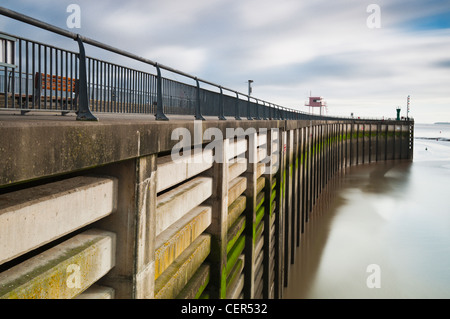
x: 250, y: 87
x: 407, y: 107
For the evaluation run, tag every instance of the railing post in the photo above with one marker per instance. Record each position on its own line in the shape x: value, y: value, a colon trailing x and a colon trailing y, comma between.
x: 249, y: 117
x: 221, y: 106
x: 198, y: 110
x: 160, y: 116
x: 236, y: 111
x: 84, y: 113
x: 264, y: 111
x: 257, y: 111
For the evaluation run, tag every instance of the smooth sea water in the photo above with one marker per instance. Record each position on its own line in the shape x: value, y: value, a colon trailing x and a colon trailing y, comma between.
x: 384, y: 231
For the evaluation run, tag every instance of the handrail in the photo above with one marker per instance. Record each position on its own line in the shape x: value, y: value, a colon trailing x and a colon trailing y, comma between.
x: 46, y: 26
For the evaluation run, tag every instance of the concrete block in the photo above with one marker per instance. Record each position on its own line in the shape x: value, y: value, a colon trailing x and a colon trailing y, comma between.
x: 236, y: 148
x: 35, y: 216
x: 235, y: 232
x: 198, y: 283
x: 174, y: 204
x: 260, y: 182
x: 262, y: 139
x: 237, y: 168
x: 259, y: 242
x: 236, y: 209
x: 275, y: 135
x: 233, y: 282
x: 171, y: 173
x: 235, y: 188
x: 261, y: 154
x: 234, y: 254
x: 236, y: 292
x: 63, y: 271
x: 175, y: 239
x: 260, y: 169
x: 175, y: 278
x: 97, y: 292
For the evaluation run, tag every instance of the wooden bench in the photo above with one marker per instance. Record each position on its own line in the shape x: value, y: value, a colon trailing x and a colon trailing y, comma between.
x: 55, y: 83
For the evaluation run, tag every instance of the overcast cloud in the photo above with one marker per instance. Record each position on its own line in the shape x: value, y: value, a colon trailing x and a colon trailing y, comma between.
x: 288, y: 47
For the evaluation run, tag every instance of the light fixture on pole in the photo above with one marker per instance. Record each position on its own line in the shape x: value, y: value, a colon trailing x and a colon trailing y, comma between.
x: 407, y: 106
x: 250, y: 87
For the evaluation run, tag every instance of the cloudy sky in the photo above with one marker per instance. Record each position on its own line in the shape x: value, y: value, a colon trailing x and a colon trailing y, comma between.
x: 358, y: 60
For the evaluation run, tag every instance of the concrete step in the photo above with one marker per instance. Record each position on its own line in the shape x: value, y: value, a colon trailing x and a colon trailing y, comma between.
x: 262, y: 139
x: 236, y: 209
x: 64, y: 271
x: 235, y: 232
x: 235, y: 188
x: 234, y: 253
x: 260, y: 182
x: 261, y: 154
x: 35, y: 216
x: 179, y: 273
x: 236, y: 291
x: 236, y: 148
x: 259, y: 240
x: 175, y: 239
x: 233, y: 282
x: 236, y: 168
x: 173, y: 205
x: 171, y: 173
x: 260, y: 169
x: 97, y: 292
x: 198, y: 283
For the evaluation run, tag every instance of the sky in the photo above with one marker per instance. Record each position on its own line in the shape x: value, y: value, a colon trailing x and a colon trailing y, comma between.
x: 362, y: 56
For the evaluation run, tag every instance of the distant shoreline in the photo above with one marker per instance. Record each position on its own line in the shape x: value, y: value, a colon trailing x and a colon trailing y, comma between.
x: 446, y: 123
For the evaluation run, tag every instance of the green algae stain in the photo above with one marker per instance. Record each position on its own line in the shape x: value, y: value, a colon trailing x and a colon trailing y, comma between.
x: 30, y: 285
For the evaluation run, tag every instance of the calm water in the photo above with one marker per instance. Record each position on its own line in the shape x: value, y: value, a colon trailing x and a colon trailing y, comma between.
x: 394, y: 215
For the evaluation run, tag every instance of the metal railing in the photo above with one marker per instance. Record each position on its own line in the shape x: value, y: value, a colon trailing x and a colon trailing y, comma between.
x: 44, y: 77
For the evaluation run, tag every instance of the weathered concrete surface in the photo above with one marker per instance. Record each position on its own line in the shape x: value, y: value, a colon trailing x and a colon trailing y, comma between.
x: 172, y: 205
x: 236, y: 209
x: 235, y: 280
x: 236, y: 148
x: 131, y: 148
x: 35, y: 216
x: 97, y: 292
x: 144, y: 268
x: 236, y: 188
x: 235, y: 232
x: 236, y: 168
x: 172, y: 172
x: 197, y: 284
x: 36, y: 146
x: 176, y: 238
x: 63, y: 271
x: 175, y: 278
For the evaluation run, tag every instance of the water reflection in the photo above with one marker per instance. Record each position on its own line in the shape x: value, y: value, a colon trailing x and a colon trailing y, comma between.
x: 394, y: 215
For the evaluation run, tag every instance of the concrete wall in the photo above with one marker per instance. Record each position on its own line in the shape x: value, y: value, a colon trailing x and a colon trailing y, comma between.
x: 110, y: 210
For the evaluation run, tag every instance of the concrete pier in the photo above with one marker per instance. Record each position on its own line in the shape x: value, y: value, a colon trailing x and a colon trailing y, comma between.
x: 131, y: 208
